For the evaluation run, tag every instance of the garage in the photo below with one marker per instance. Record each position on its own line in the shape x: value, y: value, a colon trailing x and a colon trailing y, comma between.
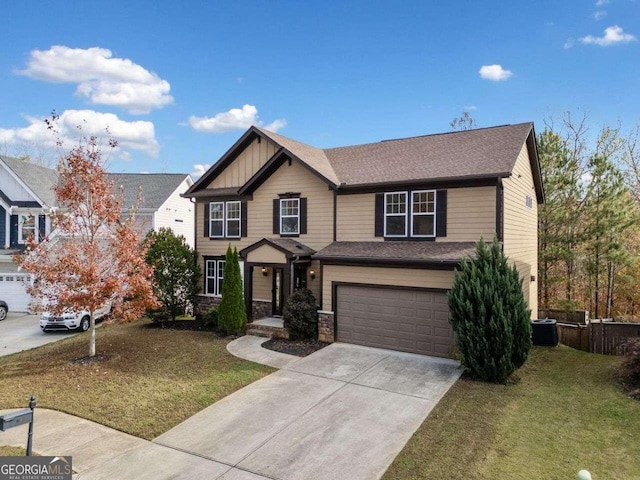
x: 14, y: 292
x: 406, y: 319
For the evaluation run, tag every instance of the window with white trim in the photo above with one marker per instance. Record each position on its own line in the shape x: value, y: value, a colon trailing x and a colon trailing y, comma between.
x: 423, y: 213
x: 289, y: 216
x: 27, y: 227
x: 214, y: 272
x: 395, y: 214
x: 225, y: 219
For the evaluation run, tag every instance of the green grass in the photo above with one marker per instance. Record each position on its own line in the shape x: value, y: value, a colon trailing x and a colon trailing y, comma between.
x: 12, y: 451
x: 566, y: 413
x: 151, y: 380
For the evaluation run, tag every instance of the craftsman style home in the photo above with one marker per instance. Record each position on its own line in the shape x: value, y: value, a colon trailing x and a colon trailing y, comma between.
x: 375, y: 231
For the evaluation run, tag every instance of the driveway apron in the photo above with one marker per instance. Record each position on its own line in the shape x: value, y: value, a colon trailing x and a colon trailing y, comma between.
x: 343, y: 412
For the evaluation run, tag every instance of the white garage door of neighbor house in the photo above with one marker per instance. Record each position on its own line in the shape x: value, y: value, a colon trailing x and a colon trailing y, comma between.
x: 409, y: 320
x: 13, y: 291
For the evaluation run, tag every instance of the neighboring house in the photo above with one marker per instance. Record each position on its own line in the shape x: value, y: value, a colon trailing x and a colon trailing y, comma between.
x: 375, y: 230
x: 27, y: 198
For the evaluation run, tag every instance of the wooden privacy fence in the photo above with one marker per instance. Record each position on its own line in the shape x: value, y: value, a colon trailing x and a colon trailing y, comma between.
x: 598, y: 336
x: 563, y: 316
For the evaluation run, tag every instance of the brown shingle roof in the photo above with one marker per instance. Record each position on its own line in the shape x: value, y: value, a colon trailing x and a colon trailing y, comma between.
x: 292, y: 246
x: 445, y: 252
x: 472, y: 153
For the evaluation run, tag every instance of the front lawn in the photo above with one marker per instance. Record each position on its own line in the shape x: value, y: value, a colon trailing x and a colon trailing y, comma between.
x: 151, y: 380
x: 567, y: 413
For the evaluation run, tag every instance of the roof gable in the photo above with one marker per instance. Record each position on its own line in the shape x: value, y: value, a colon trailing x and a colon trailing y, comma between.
x: 37, y: 180
x: 155, y: 188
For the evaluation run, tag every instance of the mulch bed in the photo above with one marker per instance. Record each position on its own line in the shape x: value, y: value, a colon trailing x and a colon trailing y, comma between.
x: 299, y: 348
x: 193, y: 325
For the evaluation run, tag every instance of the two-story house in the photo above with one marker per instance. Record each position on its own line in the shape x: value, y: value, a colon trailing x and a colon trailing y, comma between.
x: 27, y: 198
x: 375, y: 231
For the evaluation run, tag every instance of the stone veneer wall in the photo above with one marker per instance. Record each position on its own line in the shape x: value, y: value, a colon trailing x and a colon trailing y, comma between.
x: 326, y: 332
x: 203, y: 303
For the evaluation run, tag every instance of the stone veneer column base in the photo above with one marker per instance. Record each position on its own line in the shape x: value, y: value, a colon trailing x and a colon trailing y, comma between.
x: 326, y: 331
x: 260, y: 309
x: 203, y: 303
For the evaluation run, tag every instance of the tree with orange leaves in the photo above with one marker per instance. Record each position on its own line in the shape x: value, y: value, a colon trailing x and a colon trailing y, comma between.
x: 93, y: 256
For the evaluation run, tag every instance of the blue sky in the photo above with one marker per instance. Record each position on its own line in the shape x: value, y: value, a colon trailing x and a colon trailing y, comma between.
x: 179, y: 82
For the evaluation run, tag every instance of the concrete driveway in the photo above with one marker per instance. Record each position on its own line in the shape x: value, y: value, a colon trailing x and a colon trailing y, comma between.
x: 343, y: 412
x: 20, y: 331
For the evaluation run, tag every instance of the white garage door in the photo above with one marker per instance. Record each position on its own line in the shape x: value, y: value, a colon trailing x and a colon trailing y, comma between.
x: 14, y: 292
x: 409, y: 320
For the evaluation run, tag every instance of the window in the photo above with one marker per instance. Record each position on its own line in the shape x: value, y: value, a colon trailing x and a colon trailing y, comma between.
x: 26, y: 227
x: 290, y: 216
x: 423, y: 213
x: 214, y: 273
x: 395, y: 214
x: 225, y: 219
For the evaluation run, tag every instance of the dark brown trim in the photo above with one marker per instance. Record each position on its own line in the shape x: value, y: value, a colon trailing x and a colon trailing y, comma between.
x: 289, y: 195
x: 534, y: 160
x: 248, y: 291
x: 222, y: 198
x: 229, y: 156
x: 335, y: 217
x: 321, y: 278
x: 444, y: 183
x: 265, y: 241
x: 500, y: 211
x: 391, y: 262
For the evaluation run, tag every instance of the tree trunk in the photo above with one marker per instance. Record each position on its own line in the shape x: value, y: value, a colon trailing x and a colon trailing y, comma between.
x: 597, y: 280
x: 610, y: 273
x: 92, y: 335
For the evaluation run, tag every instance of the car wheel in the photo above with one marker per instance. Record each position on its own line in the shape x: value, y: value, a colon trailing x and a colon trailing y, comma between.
x: 84, y: 324
x: 3, y: 313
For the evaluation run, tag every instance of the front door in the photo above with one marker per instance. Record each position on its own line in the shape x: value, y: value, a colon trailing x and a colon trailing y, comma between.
x: 300, y: 276
x: 277, y: 292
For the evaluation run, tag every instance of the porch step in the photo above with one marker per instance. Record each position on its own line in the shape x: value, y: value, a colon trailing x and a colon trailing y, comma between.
x: 267, y: 331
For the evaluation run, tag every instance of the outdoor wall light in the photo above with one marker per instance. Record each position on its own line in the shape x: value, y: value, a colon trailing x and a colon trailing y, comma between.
x: 265, y: 272
x: 312, y: 274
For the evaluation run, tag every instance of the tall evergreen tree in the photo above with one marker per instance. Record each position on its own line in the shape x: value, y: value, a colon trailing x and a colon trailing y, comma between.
x: 232, y: 316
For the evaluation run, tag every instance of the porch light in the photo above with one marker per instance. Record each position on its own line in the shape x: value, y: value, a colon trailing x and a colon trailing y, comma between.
x: 265, y: 272
x: 312, y: 274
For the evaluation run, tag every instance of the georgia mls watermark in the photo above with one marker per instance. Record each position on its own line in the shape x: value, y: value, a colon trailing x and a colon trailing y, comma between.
x: 35, y: 468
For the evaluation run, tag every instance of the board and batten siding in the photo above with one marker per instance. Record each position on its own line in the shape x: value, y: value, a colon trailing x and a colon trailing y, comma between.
x: 471, y: 213
x: 177, y: 214
x: 246, y: 165
x: 402, y: 277
x: 521, y: 226
x: 262, y: 285
x: 288, y: 178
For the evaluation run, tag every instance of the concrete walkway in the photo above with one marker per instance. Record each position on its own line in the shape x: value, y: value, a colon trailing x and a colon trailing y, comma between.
x: 343, y: 412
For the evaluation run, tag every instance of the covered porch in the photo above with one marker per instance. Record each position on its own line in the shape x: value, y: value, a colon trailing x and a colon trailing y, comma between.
x: 273, y: 269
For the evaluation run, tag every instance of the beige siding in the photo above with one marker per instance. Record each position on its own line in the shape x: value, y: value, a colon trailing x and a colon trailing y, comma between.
x: 245, y: 166
x: 266, y: 254
x: 471, y: 213
x: 288, y: 178
x: 262, y: 285
x: 382, y: 276
x: 521, y: 226
x: 356, y: 217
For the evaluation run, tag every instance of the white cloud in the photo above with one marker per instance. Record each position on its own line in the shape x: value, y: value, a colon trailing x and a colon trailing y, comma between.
x: 101, y: 78
x: 569, y: 43
x: 234, y: 119
x: 612, y: 36
x: 598, y: 14
x: 495, y: 73
x: 600, y: 3
x: 138, y: 135
x: 198, y: 170
x: 470, y: 108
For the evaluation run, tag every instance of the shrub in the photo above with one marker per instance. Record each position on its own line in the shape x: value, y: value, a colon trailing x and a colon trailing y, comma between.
x: 300, y: 315
x: 489, y: 315
x: 630, y: 369
x: 210, y: 318
x: 232, y: 316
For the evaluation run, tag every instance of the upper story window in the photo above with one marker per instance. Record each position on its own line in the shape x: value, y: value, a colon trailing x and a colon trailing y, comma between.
x: 225, y: 219
x: 418, y: 214
x: 423, y: 213
x: 395, y: 214
x: 26, y: 227
x: 289, y: 216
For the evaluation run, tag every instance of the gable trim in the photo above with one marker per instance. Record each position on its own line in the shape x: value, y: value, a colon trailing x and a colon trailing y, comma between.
x: 534, y: 160
x: 23, y: 185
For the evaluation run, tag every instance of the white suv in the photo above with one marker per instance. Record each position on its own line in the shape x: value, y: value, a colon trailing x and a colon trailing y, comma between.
x: 71, y: 320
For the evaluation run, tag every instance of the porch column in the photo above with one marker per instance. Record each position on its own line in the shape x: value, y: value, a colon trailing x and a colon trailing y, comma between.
x: 248, y: 290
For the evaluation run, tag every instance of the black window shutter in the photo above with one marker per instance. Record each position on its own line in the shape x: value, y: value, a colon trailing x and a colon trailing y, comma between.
x: 13, y: 233
x: 303, y: 216
x: 379, y: 215
x: 276, y: 216
x: 42, y: 225
x: 243, y: 219
x: 441, y: 213
x: 206, y: 219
